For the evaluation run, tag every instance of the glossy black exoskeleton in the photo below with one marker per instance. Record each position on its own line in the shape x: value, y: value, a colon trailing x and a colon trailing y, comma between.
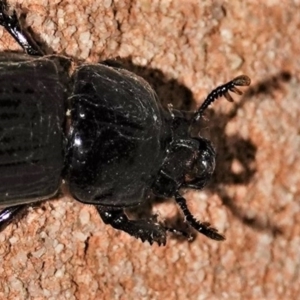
x: 121, y: 145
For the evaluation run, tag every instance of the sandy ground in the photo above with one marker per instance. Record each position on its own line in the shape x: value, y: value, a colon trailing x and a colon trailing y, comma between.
x: 62, y: 250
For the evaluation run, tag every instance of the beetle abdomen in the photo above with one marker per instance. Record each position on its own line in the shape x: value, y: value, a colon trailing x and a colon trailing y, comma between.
x: 32, y: 111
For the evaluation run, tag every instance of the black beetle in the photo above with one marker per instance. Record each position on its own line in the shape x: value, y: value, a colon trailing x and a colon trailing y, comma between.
x: 120, y: 147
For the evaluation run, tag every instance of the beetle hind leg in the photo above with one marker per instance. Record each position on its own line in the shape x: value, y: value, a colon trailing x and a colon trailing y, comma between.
x: 146, y: 230
x: 204, y: 228
x: 11, y: 23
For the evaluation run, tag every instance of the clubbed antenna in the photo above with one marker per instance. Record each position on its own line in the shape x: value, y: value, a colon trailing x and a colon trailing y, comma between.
x: 222, y: 90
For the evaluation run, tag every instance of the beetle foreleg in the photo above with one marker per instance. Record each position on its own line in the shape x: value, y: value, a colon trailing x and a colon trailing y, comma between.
x: 146, y: 230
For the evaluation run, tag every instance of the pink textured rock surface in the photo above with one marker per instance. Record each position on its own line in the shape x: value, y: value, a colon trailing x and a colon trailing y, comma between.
x: 62, y: 250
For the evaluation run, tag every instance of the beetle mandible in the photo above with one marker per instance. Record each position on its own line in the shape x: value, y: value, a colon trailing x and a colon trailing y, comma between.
x: 121, y: 146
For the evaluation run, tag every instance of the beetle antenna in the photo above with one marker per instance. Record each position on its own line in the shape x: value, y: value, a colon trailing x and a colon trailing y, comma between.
x: 202, y: 227
x: 222, y: 90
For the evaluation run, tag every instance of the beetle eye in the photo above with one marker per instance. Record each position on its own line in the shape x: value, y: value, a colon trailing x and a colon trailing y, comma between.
x: 207, y: 161
x: 203, y: 166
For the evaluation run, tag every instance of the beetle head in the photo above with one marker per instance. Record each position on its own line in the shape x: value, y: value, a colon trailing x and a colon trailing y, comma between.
x: 201, y: 166
x: 189, y: 163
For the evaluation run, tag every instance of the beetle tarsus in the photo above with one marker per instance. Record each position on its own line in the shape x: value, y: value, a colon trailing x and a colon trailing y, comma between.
x: 204, y: 228
x: 11, y: 23
x: 146, y: 230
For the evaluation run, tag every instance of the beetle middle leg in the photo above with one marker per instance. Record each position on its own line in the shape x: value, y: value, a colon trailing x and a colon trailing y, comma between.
x: 12, y: 25
x: 146, y: 230
x: 8, y: 214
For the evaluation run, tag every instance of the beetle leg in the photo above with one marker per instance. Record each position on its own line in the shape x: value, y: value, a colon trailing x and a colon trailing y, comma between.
x: 11, y: 23
x: 204, y: 228
x: 174, y: 231
x: 8, y: 214
x: 146, y: 230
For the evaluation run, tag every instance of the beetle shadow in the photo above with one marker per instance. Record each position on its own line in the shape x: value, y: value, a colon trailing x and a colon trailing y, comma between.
x: 230, y: 150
